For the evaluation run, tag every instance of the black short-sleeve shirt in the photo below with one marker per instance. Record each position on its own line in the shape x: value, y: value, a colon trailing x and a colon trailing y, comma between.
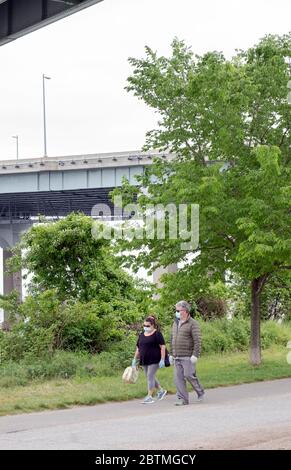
x: 149, y: 348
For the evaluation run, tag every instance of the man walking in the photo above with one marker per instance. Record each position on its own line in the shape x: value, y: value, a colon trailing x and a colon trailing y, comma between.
x: 185, y: 349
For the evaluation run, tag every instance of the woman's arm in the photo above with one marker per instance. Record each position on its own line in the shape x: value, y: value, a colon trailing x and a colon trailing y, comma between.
x: 135, y: 358
x: 163, y: 351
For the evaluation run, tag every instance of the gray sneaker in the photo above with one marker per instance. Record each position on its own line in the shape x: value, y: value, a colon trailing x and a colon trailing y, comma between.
x: 148, y: 399
x: 200, y: 398
x: 180, y: 402
x: 161, y: 394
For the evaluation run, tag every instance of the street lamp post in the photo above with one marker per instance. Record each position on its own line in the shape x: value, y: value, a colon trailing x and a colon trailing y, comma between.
x: 44, y: 77
x: 16, y: 138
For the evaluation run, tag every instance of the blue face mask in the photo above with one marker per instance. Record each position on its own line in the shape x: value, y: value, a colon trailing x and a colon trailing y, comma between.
x: 147, y: 329
x: 178, y: 315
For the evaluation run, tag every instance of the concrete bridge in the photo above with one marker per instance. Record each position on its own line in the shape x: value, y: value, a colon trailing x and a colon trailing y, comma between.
x: 54, y: 187
x: 19, y: 17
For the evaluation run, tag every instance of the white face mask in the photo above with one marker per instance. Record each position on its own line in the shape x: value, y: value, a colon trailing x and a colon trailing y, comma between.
x: 178, y: 314
x: 147, y: 329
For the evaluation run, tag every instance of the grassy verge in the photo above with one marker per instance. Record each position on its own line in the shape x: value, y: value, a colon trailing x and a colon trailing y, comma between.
x: 213, y: 370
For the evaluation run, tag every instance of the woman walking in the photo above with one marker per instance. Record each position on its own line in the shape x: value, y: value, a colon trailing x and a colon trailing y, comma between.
x: 150, y: 352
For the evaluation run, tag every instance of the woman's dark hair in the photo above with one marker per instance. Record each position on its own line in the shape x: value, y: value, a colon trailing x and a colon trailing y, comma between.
x: 153, y: 321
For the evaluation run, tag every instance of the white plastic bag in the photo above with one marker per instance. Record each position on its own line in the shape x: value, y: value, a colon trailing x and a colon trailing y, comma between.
x: 130, y: 375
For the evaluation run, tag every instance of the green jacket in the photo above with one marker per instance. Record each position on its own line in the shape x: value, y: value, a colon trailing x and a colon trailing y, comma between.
x: 186, y: 340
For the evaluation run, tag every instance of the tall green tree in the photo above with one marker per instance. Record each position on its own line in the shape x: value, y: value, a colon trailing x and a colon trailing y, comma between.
x: 212, y: 108
x: 228, y: 121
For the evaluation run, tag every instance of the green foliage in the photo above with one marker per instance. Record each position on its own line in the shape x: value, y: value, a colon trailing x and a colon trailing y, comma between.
x: 210, y: 106
x: 276, y: 297
x: 225, y: 110
x: 211, y: 307
x: 10, y: 303
x: 215, y: 339
x: 233, y: 113
x: 208, y: 299
x: 98, y: 324
x: 66, y: 257
x: 60, y: 365
x: 47, y: 324
x: 217, y: 336
x: 225, y: 335
x: 233, y: 335
x: 80, y: 299
x: 12, y: 374
x: 25, y: 339
x: 273, y: 333
x: 66, y: 364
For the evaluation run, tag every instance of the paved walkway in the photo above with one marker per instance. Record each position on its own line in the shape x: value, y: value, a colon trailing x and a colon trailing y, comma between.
x: 250, y: 416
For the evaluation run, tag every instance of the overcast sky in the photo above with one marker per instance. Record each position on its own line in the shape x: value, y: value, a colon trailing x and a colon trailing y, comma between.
x: 86, y: 54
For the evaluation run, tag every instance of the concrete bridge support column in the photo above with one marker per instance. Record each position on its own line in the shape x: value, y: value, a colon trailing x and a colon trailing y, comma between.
x: 171, y: 268
x: 9, y: 236
x: 10, y: 282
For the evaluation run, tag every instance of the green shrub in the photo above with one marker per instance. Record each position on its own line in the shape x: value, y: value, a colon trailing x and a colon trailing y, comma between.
x: 117, y: 356
x: 66, y: 364
x: 217, y: 336
x: 61, y: 365
x: 234, y: 335
x: 214, y: 339
x: 12, y: 375
x: 240, y: 330
x: 273, y: 333
x: 46, y: 324
x: 125, y: 349
x: 25, y: 339
x: 236, y: 329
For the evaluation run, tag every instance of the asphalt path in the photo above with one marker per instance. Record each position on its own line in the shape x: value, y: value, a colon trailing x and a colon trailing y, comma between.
x: 249, y: 416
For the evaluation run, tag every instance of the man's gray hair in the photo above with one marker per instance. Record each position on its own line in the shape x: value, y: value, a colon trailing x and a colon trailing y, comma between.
x: 184, y: 305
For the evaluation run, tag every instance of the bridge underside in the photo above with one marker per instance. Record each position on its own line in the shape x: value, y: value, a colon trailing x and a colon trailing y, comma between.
x: 19, y: 206
x: 19, y: 17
